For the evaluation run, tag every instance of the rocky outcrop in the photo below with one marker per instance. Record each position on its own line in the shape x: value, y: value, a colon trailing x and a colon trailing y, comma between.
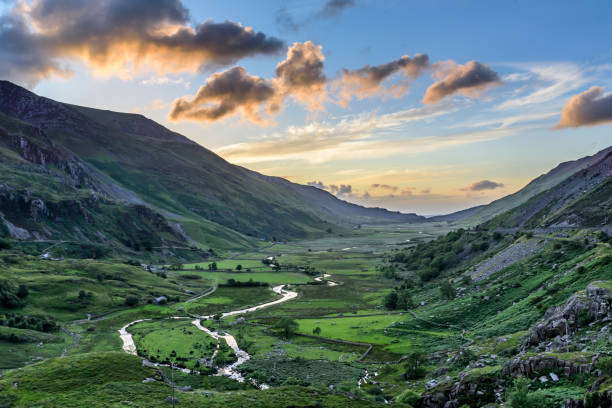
x: 471, y: 389
x: 594, y: 304
x: 600, y: 400
x: 544, y: 363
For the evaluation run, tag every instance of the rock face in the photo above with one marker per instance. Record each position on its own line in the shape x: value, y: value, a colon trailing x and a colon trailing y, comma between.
x: 600, y: 400
x: 543, y: 363
x: 594, y: 304
x: 474, y: 391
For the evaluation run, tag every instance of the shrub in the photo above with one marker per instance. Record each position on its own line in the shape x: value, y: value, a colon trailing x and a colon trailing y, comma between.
x: 131, y: 300
x: 519, y: 397
x: 287, y: 326
x: 408, y: 397
x: 390, y: 301
x: 413, y: 366
x: 9, y: 295
x: 605, y: 365
x: 447, y: 290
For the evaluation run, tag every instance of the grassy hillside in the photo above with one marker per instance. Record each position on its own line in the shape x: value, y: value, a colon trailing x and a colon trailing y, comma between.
x: 581, y: 200
x: 478, y: 215
x: 127, y: 160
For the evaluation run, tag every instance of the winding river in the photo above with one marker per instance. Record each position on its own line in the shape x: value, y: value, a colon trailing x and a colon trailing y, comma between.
x: 230, y: 370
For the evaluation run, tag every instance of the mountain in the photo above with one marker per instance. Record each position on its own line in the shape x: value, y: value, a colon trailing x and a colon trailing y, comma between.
x: 582, y: 200
x: 476, y: 215
x: 76, y: 173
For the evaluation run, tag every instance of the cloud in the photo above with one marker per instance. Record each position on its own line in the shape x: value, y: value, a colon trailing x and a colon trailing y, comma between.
x: 164, y: 80
x: 349, y: 140
x: 301, y: 74
x: 285, y: 20
x: 367, y: 81
x: 115, y: 37
x: 333, y: 8
x: 225, y: 94
x: 589, y: 108
x: 482, y: 185
x: 317, y: 184
x: 548, y: 83
x: 384, y: 187
x: 470, y: 80
x: 337, y: 190
x: 234, y: 91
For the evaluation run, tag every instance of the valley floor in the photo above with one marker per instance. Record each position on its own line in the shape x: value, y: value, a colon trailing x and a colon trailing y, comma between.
x: 329, y: 338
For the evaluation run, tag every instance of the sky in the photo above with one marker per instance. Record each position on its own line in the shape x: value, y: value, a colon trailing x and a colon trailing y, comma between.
x: 416, y: 106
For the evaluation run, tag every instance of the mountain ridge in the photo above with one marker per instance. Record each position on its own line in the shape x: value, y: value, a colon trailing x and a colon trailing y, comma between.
x: 143, y: 163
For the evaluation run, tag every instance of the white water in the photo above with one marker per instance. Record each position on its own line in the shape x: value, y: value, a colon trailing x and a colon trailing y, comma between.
x: 128, y: 342
x: 326, y: 275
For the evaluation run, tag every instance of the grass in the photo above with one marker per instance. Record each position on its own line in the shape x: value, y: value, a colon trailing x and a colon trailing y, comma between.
x: 172, y: 340
x: 114, y: 379
x: 273, y: 278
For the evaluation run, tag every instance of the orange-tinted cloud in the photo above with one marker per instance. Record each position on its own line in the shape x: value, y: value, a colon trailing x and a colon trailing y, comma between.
x: 589, y: 108
x: 116, y: 37
x: 225, y: 94
x: 471, y: 80
x: 301, y: 74
x: 234, y: 91
x: 384, y: 187
x: 368, y: 81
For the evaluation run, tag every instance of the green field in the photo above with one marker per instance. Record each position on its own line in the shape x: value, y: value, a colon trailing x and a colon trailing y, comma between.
x: 170, y: 340
x: 273, y: 278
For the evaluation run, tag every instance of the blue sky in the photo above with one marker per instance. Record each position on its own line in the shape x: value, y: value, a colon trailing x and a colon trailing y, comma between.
x: 393, y: 150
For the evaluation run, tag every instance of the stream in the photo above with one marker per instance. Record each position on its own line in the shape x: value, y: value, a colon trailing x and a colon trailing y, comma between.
x: 230, y: 370
x: 326, y: 275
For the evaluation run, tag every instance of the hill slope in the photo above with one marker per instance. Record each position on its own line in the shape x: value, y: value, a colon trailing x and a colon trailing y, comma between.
x: 128, y: 161
x: 476, y: 215
x: 583, y: 200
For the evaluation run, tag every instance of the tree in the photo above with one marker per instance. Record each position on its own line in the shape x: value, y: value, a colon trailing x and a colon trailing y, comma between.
x: 520, y: 397
x: 82, y: 294
x: 404, y: 300
x: 22, y: 291
x: 390, y: 301
x: 131, y: 300
x: 238, y: 267
x: 217, y: 317
x: 413, y: 366
x: 212, y: 266
x: 287, y: 325
x: 447, y: 290
x: 316, y: 331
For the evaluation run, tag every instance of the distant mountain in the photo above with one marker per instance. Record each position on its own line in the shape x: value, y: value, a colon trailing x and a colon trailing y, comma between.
x: 458, y: 215
x: 75, y: 173
x: 541, y: 184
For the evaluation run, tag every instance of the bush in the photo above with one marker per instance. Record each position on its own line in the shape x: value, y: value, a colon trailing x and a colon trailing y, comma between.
x: 131, y: 300
x: 413, y: 366
x: 408, y: 397
x: 9, y: 295
x: 605, y: 365
x: 447, y: 290
x: 519, y: 397
x: 390, y: 301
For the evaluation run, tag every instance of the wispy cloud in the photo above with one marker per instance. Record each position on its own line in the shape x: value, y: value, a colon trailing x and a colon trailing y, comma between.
x: 354, y: 138
x: 549, y: 82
